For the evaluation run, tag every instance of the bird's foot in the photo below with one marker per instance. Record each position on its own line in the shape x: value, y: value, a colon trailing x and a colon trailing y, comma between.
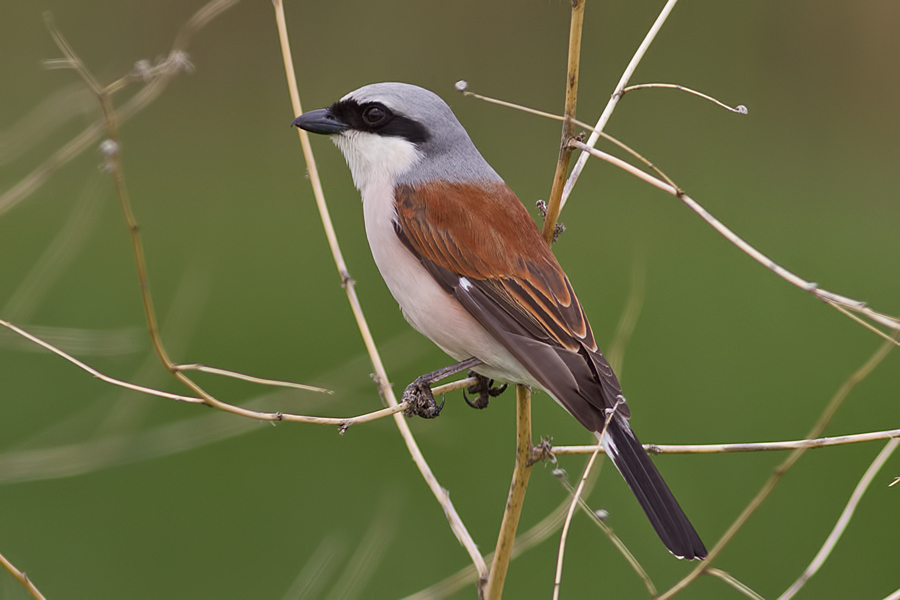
x: 485, y: 390
x: 421, y: 400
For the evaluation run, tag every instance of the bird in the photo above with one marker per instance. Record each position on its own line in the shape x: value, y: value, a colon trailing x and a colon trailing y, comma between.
x: 470, y: 270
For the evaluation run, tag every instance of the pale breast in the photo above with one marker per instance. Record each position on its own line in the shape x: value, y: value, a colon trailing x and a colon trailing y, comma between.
x: 425, y: 305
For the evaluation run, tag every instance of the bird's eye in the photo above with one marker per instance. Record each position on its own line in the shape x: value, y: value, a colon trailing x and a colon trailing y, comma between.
x: 374, y: 115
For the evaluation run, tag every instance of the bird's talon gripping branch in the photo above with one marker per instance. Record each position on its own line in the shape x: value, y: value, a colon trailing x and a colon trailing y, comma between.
x: 485, y: 390
x: 421, y: 400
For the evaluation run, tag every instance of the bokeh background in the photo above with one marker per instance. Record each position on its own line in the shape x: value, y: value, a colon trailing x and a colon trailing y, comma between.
x: 105, y: 494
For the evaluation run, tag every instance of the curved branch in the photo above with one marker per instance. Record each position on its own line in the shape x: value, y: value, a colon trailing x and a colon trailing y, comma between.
x: 384, y: 385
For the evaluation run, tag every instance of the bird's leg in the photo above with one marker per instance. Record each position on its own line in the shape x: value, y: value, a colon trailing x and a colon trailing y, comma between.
x: 485, y: 390
x: 418, y: 393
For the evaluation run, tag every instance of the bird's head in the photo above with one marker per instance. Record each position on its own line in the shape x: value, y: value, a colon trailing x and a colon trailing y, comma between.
x: 393, y: 133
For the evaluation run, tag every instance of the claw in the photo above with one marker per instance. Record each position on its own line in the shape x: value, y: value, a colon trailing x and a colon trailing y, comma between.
x: 485, y: 390
x: 496, y: 391
x: 480, y: 403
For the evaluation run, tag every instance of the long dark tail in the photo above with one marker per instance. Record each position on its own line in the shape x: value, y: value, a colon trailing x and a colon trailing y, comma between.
x: 671, y: 524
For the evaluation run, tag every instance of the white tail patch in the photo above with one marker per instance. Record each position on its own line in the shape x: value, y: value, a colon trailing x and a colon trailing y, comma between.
x: 609, y: 446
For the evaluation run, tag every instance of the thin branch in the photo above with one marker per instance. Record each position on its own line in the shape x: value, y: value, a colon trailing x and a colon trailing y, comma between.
x: 740, y: 108
x: 524, y: 450
x: 385, y: 389
x: 342, y: 423
x: 843, y: 521
x: 557, y: 581
x: 111, y: 148
x: 565, y: 151
x: 463, y: 87
x: 96, y: 373
x: 780, y: 471
x: 21, y: 577
x: 519, y: 484
x: 835, y: 300
x: 524, y: 542
x: 252, y: 379
x: 615, y: 539
x: 453, y: 386
x: 730, y: 580
x: 112, y: 151
x: 846, y: 305
x: 87, y: 138
x: 748, y: 447
x: 890, y: 323
x: 616, y: 96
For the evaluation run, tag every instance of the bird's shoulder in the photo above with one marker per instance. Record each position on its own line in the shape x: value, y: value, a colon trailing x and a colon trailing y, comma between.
x: 485, y: 228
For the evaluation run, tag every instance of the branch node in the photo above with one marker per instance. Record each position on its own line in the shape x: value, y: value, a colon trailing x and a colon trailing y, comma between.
x: 558, y: 230
x: 109, y: 147
x: 143, y: 70
x: 482, y: 585
x: 542, y: 451
x: 178, y: 60
x: 346, y: 280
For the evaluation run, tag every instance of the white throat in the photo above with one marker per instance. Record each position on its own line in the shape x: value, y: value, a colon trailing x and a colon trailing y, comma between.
x: 376, y: 161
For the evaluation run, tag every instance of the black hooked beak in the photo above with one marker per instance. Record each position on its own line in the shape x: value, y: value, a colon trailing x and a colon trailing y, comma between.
x: 320, y: 121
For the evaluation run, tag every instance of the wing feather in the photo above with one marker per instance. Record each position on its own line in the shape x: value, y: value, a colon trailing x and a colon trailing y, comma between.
x: 518, y: 291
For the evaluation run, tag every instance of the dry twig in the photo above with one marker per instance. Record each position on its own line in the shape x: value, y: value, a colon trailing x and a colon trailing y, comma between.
x: 730, y: 580
x: 565, y: 151
x: 342, y: 423
x: 385, y: 389
x: 505, y: 540
x: 22, y: 578
x: 780, y: 471
x: 574, y: 503
x: 87, y: 138
x: 747, y: 447
x: 844, y: 304
x: 844, y: 520
x: 616, y: 96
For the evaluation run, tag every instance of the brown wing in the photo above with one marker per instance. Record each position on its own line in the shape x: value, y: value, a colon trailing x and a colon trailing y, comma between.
x: 517, y: 291
x: 513, y: 286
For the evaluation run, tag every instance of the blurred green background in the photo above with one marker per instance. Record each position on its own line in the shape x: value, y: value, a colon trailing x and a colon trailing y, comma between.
x: 105, y: 494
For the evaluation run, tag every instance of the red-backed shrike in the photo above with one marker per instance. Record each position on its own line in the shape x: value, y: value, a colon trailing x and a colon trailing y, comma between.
x: 471, y: 271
